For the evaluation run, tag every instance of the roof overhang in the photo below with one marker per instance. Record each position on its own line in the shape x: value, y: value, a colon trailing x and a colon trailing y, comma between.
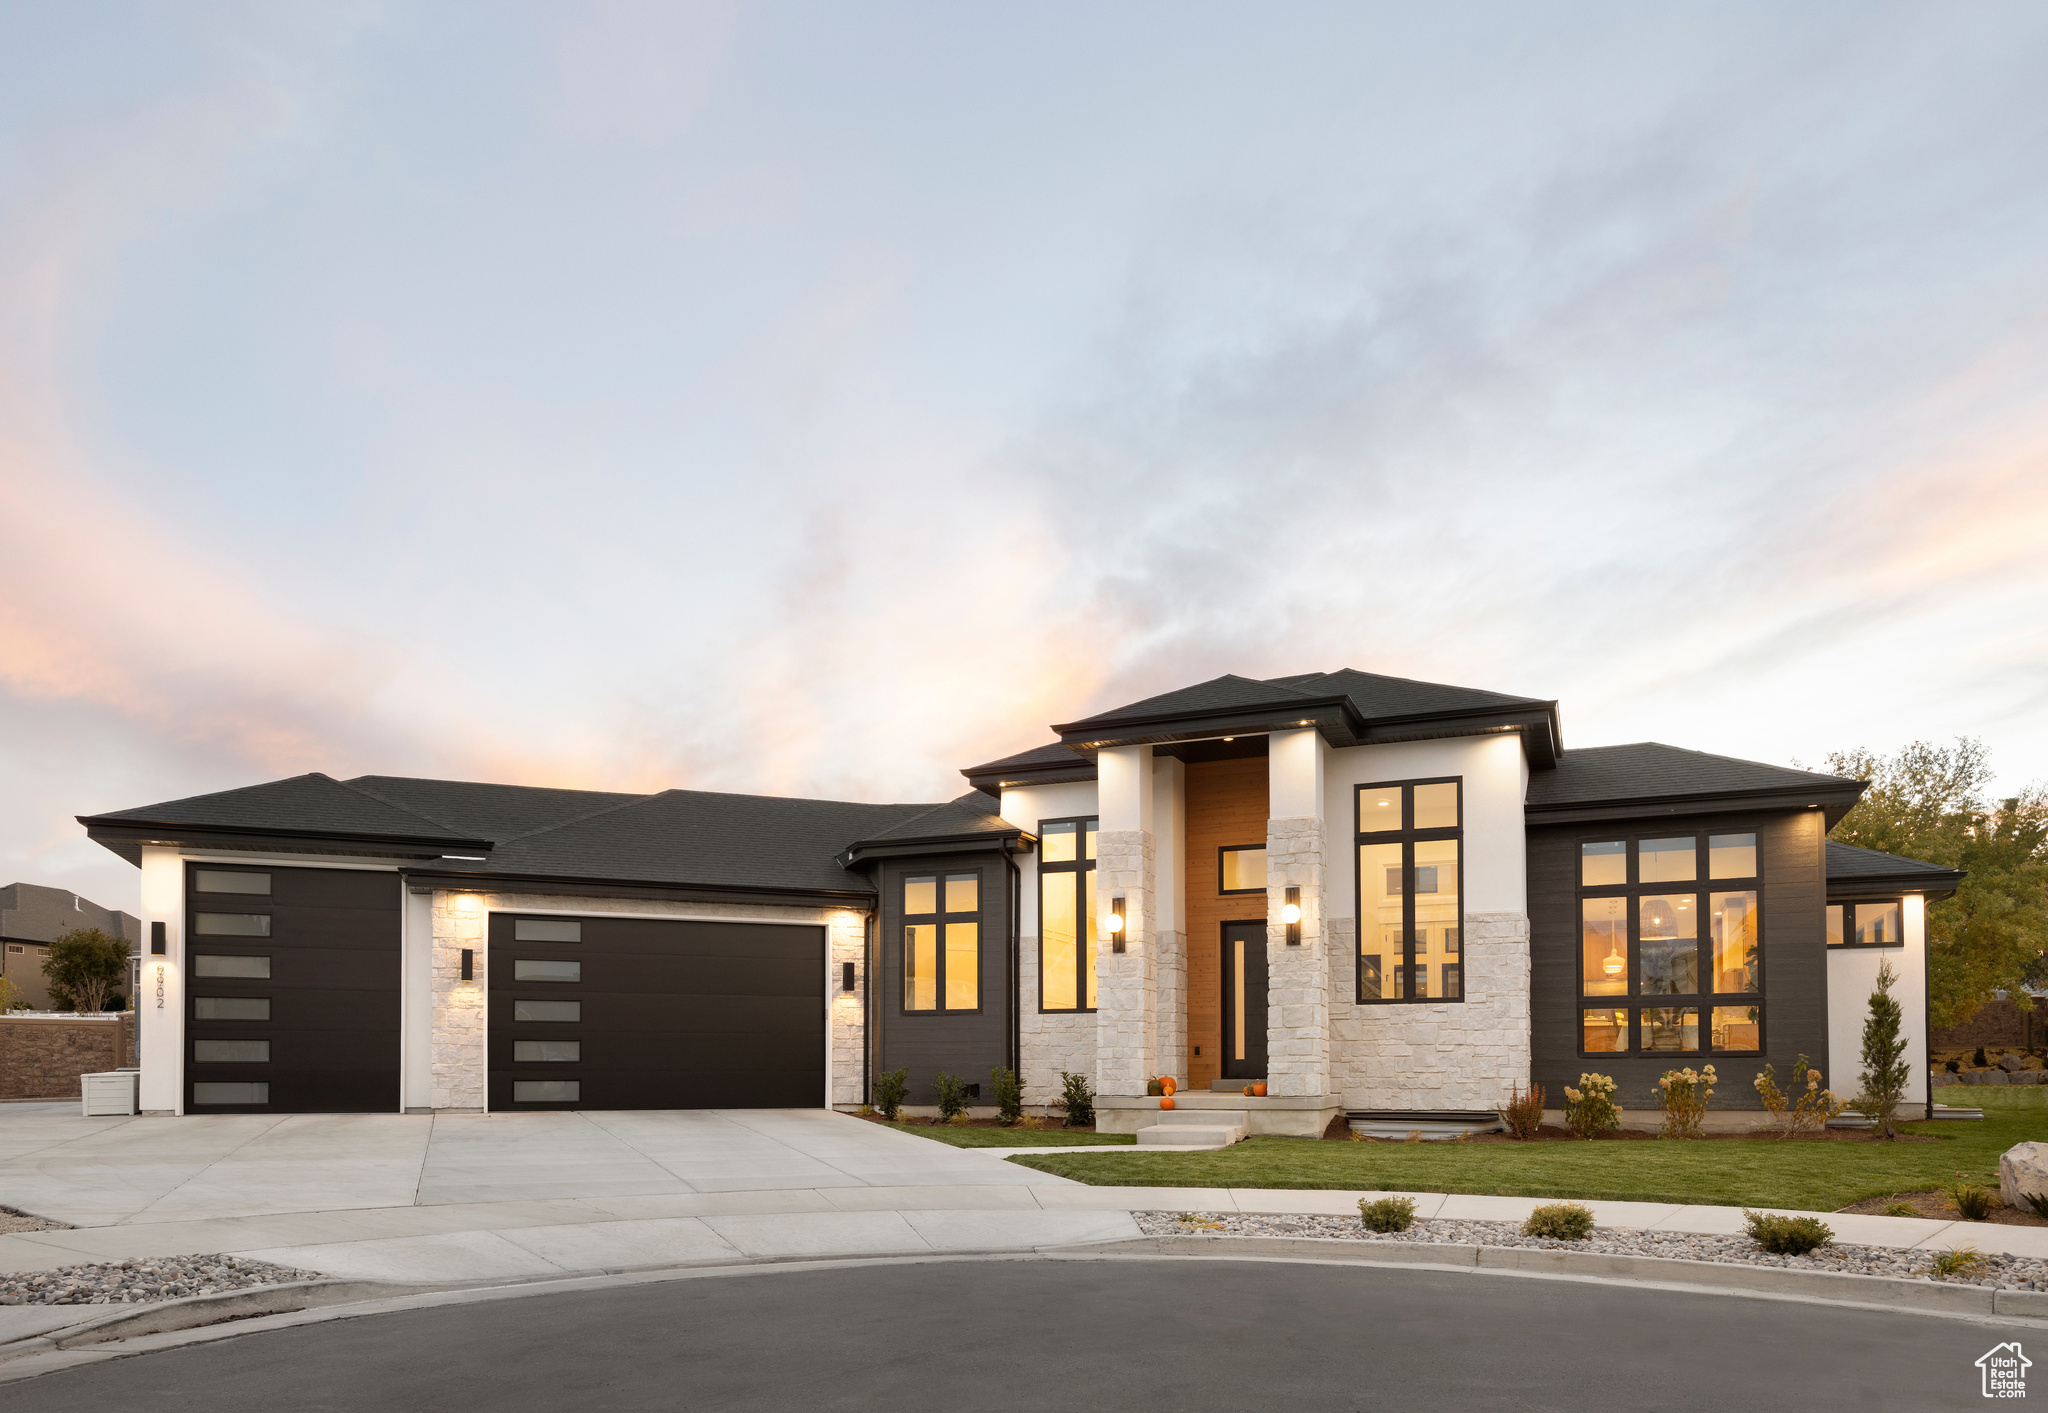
x: 127, y: 837
x: 1337, y: 719
x: 428, y: 880
x: 1833, y: 804
x: 1007, y: 841
x: 1930, y: 883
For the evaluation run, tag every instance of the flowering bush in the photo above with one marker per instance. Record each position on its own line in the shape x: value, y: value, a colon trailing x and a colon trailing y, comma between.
x: 1683, y: 1094
x: 1590, y: 1110
x: 1806, y: 1108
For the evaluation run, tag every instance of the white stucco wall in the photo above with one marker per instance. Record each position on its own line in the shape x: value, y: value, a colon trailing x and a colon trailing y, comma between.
x: 1461, y: 1055
x: 1852, y: 976
x: 160, y: 999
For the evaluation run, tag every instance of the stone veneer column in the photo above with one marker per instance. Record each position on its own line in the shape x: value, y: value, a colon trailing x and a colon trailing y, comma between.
x: 460, y: 1020
x: 1126, y: 983
x: 1297, y: 978
x: 846, y: 941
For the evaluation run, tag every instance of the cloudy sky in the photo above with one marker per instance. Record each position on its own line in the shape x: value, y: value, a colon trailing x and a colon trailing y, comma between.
x: 819, y: 398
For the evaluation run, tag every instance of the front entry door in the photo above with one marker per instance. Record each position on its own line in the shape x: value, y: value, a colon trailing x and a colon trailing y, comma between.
x: 1244, y: 1000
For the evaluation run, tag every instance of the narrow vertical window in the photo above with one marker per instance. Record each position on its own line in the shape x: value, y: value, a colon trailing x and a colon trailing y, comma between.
x: 942, y: 942
x: 1411, y: 919
x: 1066, y: 915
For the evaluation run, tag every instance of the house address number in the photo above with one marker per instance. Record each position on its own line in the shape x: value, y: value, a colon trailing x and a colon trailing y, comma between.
x: 159, y: 988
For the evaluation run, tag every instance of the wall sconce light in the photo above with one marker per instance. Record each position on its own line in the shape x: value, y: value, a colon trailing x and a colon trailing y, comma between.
x: 846, y: 976
x: 157, y: 946
x: 468, y: 964
x: 1115, y: 923
x: 1290, y: 913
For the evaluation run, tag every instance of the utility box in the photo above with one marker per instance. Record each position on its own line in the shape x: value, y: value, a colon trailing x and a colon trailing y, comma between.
x: 109, y: 1094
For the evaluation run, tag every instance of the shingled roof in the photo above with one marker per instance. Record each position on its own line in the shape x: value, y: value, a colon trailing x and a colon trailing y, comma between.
x: 303, y: 806
x: 1649, y: 772
x: 1851, y: 866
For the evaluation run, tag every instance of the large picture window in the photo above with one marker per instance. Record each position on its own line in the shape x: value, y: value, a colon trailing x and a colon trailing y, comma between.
x: 942, y: 942
x: 1066, y: 915
x: 1670, y: 946
x: 1870, y: 923
x: 1411, y: 921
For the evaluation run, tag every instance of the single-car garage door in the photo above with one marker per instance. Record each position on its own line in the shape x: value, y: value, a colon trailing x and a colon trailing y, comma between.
x: 291, y: 990
x: 628, y: 1013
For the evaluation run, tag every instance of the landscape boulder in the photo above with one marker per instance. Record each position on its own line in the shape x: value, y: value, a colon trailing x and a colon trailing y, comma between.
x: 2010, y: 1062
x: 1940, y: 1077
x: 1993, y: 1077
x: 2022, y: 1169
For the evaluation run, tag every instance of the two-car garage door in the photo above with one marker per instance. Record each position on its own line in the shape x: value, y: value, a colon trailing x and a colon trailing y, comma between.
x: 293, y: 1003
x: 628, y: 1013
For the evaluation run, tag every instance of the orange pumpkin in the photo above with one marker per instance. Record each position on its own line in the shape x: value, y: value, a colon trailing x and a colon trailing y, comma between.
x: 1259, y: 1090
x: 1168, y: 1081
x: 1167, y: 1102
x: 1247, y: 1091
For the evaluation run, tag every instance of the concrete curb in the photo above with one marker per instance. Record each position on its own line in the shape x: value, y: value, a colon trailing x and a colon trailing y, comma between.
x: 1880, y: 1292
x: 128, y: 1321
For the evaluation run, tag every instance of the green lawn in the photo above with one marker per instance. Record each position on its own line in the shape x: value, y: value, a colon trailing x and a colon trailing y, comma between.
x: 1019, y: 1137
x: 1762, y: 1172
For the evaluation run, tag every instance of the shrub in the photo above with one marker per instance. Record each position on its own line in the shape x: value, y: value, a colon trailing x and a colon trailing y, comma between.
x: 11, y: 998
x: 1806, y: 1109
x: 2038, y: 1201
x: 1523, y: 1113
x: 1884, y: 1058
x: 890, y: 1087
x: 1955, y: 1066
x: 1899, y: 1209
x: 1387, y: 1214
x: 1590, y: 1109
x: 1684, y: 1094
x: 1007, y: 1088
x: 1787, y: 1236
x: 1077, y: 1095
x: 1972, y: 1203
x: 1979, y: 1061
x: 1958, y: 1262
x: 85, y: 964
x: 1560, y: 1221
x: 951, y: 1090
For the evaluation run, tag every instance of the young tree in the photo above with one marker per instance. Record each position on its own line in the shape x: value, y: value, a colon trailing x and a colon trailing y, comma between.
x: 1884, y: 1057
x: 1930, y: 802
x: 84, y: 965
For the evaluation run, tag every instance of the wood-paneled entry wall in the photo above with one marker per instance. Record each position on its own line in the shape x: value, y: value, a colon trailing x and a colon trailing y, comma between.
x: 1226, y: 804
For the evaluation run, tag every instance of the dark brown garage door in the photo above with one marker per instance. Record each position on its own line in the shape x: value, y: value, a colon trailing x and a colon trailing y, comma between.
x: 291, y: 990
x: 619, y: 1013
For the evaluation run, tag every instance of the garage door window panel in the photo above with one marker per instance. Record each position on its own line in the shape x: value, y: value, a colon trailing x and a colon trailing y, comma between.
x: 942, y: 943
x: 231, y: 924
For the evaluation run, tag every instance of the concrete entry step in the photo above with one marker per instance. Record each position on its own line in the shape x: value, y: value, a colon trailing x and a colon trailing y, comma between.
x: 1190, y: 1135
x: 1226, y: 1118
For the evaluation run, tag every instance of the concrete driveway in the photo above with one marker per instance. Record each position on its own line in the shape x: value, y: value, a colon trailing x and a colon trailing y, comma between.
x: 428, y: 1198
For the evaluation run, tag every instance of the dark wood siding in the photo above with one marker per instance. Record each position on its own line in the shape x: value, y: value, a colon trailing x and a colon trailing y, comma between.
x: 333, y: 991
x: 968, y: 1044
x: 1791, y: 854
x: 1227, y: 801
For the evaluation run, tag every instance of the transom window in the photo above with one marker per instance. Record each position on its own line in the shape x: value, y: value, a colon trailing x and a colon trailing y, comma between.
x: 942, y: 942
x: 1241, y: 868
x: 1411, y: 921
x: 1670, y: 945
x: 1870, y: 923
x: 1066, y: 915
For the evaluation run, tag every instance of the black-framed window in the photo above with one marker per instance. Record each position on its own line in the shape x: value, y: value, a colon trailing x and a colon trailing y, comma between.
x: 1867, y: 922
x: 942, y: 941
x: 1671, y: 945
x: 1410, y: 890
x: 1241, y: 868
x: 1066, y: 914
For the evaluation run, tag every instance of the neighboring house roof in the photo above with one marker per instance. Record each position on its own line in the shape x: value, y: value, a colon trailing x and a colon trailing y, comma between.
x: 1649, y: 778
x: 1852, y: 868
x: 30, y: 912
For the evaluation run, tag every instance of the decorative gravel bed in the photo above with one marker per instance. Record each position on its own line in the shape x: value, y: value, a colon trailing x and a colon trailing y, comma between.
x: 136, y: 1282
x: 2000, y: 1272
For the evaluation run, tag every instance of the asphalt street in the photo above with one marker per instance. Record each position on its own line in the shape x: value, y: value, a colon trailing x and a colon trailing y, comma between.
x: 1059, y: 1334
